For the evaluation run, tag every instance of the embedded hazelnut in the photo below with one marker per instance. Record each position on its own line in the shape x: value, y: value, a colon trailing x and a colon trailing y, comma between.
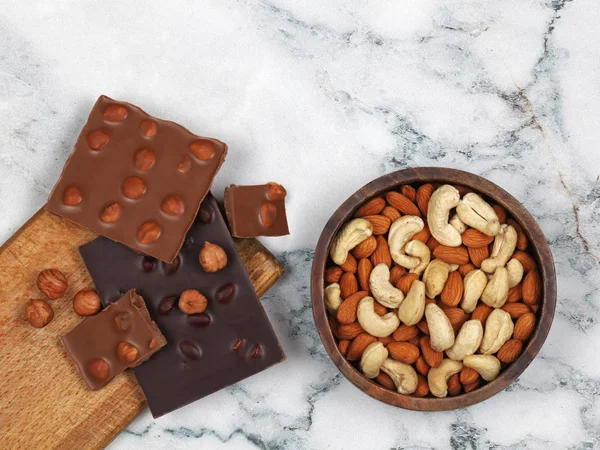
x: 144, y: 159
x: 127, y: 352
x: 115, y: 113
x: 148, y: 128
x: 173, y: 205
x: 225, y: 293
x: 268, y: 213
x: 206, y: 215
x: 148, y: 232
x: 192, y: 302
x: 52, y: 283
x: 238, y: 344
x: 185, y: 165
x: 152, y: 345
x: 72, y: 196
x: 203, y: 150
x: 123, y: 320
x: 111, y: 213
x: 86, y: 302
x: 212, y: 257
x: 98, y: 368
x: 166, y: 304
x: 190, y: 350
x: 275, y: 191
x: 133, y: 188
x: 97, y: 139
x: 39, y: 313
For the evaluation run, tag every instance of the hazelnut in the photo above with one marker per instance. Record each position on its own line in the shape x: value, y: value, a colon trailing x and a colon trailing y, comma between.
x: 152, y: 345
x: 123, y: 320
x: 192, y: 302
x: 148, y: 232
x: 206, y: 214
x: 268, y: 213
x: 190, y: 350
x: 173, y: 205
x: 72, y: 196
x: 97, y: 139
x: 238, y: 344
x: 52, y: 283
x: 39, y: 313
x: 86, y: 302
x: 144, y: 159
x: 98, y: 368
x: 185, y: 165
x: 134, y: 188
x: 212, y: 257
x: 115, y: 113
x: 275, y: 191
x: 148, y: 128
x: 166, y: 304
x: 127, y: 352
x: 225, y: 293
x: 111, y: 213
x: 256, y: 352
x: 203, y: 150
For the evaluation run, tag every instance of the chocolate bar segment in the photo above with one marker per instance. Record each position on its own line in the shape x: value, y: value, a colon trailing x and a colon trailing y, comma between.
x: 256, y: 210
x: 231, y: 340
x: 120, y: 336
x: 136, y: 179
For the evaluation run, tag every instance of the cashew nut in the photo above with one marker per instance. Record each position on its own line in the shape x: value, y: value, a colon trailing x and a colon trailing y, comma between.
x: 477, y: 213
x: 373, y: 323
x: 488, y: 366
x: 419, y: 250
x: 401, y: 231
x: 403, y: 375
x: 503, y: 249
x: 498, y: 329
x: 474, y: 284
x: 467, y: 340
x: 515, y: 272
x: 435, y: 277
x: 458, y: 224
x: 353, y: 233
x: 496, y: 291
x: 382, y: 289
x: 372, y: 358
x: 413, y: 307
x: 441, y: 334
x: 333, y: 298
x: 437, y: 378
x: 441, y: 202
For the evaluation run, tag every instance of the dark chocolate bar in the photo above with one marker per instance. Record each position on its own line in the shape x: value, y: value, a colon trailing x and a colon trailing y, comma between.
x: 256, y: 210
x: 136, y: 179
x: 120, y: 336
x: 231, y: 340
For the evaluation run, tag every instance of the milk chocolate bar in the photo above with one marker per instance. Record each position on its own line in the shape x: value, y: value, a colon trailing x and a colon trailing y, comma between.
x: 136, y: 179
x: 120, y: 336
x: 231, y: 340
x: 256, y: 210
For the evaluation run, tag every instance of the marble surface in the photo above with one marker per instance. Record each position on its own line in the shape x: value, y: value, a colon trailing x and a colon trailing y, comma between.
x: 324, y: 96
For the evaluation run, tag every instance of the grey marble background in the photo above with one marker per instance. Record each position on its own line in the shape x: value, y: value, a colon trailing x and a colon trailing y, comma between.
x: 324, y: 96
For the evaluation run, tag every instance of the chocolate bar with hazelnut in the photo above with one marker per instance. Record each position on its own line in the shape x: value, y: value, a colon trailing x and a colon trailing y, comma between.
x: 121, y: 336
x: 136, y: 179
x: 218, y: 331
x: 256, y: 210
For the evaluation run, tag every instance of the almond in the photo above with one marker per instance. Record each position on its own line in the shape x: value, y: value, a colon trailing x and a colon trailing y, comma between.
x: 386, y: 340
x: 349, y: 331
x: 395, y: 274
x: 422, y: 366
x: 477, y: 255
x: 382, y: 254
x: 391, y: 213
x: 522, y: 240
x: 350, y: 264
x: 381, y: 224
x: 402, y: 203
x: 456, y: 316
x: 534, y: 308
x: 417, y: 339
x: 465, y: 269
x: 385, y: 380
x: 475, y: 238
x: 362, y: 273
x: 515, y: 293
x: 365, y: 248
x: 334, y: 325
x: 432, y: 358
x: 422, y: 235
x: 406, y: 282
x: 422, y: 387
x: 379, y: 309
x: 430, y: 300
x: 422, y: 325
x: 468, y: 376
x: 404, y: 352
x: 405, y: 332
x: 372, y: 207
x: 346, y: 313
x: 532, y: 288
x: 526, y: 261
x: 333, y: 274
x: 454, y: 386
x: 510, y: 351
x: 348, y: 284
x: 500, y: 212
x: 432, y: 243
x: 409, y: 192
x: 471, y: 387
x: 453, y: 289
x: 343, y: 346
x: 358, y: 345
x: 423, y: 195
x: 481, y: 313
x: 452, y: 255
x: 516, y: 310
x: 524, y: 327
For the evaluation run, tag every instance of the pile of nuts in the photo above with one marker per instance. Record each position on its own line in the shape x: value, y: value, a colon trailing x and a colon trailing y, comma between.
x: 431, y: 290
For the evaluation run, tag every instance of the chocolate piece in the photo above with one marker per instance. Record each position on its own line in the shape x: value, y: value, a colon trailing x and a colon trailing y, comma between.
x: 136, y: 179
x: 120, y: 336
x: 256, y: 210
x: 203, y: 354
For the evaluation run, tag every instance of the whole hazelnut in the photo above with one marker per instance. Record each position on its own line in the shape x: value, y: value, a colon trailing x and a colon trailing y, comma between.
x: 123, y: 320
x: 72, y: 196
x: 98, y: 368
x: 134, y: 187
x: 86, y: 302
x: 144, y: 159
x: 268, y: 213
x: 212, y: 257
x: 52, y: 283
x: 127, y: 352
x: 275, y: 191
x: 203, y: 150
x: 111, y: 213
x: 185, y: 165
x: 39, y: 313
x: 192, y: 302
x: 148, y: 128
x: 173, y: 205
x: 148, y: 232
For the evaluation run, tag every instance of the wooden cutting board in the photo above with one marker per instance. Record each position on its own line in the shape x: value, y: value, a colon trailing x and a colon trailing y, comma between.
x: 43, y: 402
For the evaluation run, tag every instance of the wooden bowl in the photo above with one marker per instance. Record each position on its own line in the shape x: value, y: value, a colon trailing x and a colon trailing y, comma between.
x: 539, y: 249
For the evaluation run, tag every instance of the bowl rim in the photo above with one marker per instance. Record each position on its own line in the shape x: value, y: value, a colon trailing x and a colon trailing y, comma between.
x: 538, y: 246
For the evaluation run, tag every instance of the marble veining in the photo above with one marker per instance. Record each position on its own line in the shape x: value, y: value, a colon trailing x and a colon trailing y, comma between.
x: 323, y: 97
